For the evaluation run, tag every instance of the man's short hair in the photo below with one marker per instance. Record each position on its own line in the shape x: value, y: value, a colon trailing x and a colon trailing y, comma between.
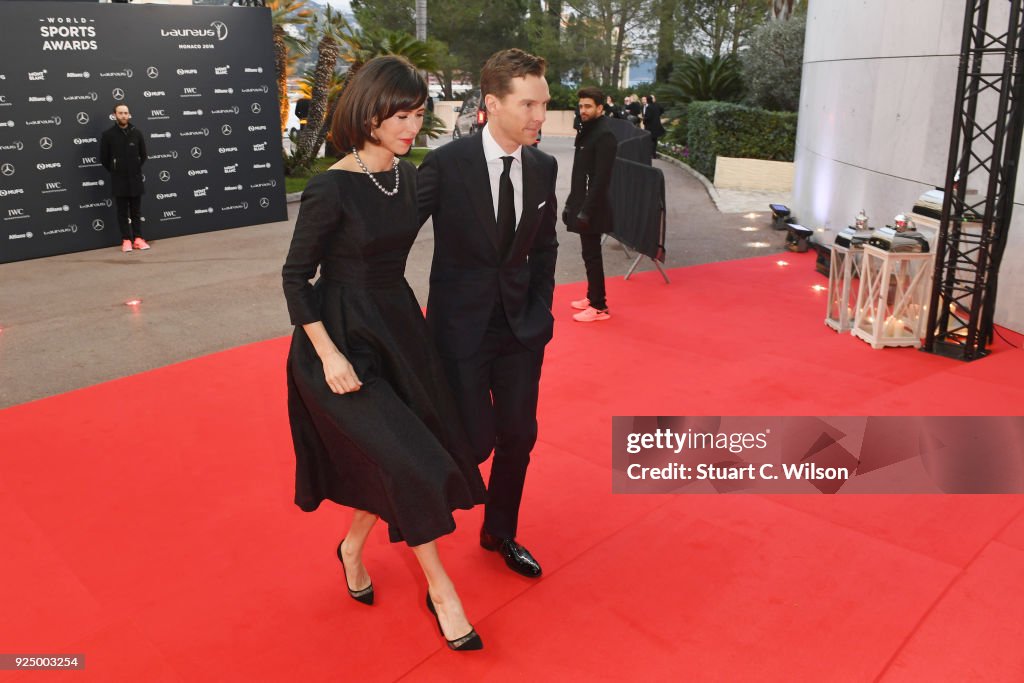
x: 591, y: 92
x: 497, y: 74
x: 383, y: 87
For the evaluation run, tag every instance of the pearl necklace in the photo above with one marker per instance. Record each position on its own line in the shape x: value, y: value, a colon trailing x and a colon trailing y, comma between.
x: 389, y: 193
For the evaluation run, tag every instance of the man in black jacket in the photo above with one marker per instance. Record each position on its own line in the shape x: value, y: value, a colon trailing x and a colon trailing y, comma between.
x: 588, y: 210
x: 492, y: 199
x: 122, y: 153
x: 652, y: 112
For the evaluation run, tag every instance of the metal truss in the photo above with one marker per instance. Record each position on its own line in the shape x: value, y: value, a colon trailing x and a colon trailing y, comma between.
x: 983, y: 153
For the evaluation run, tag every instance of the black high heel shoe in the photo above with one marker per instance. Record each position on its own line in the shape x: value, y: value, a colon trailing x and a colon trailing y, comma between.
x: 365, y: 595
x: 470, y: 641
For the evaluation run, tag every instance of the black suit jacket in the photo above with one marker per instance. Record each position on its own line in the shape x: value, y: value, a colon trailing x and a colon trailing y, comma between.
x: 468, y: 275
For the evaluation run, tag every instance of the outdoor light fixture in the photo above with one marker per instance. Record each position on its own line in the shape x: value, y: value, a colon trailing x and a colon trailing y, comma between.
x: 819, y: 288
x: 133, y: 302
x: 797, y: 237
x: 782, y: 263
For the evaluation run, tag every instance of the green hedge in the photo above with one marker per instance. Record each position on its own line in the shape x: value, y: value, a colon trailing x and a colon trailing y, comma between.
x: 733, y: 130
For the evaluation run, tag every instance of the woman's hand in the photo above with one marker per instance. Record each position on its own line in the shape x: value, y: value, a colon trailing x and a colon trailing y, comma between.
x: 340, y: 375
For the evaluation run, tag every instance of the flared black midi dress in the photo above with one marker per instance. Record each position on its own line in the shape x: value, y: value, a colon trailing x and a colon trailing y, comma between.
x: 396, y: 447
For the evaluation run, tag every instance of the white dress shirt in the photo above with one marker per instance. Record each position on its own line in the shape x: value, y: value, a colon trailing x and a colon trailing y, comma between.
x: 493, y: 154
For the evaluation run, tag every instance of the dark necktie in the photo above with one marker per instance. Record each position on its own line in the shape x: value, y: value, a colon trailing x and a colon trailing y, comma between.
x: 506, y: 208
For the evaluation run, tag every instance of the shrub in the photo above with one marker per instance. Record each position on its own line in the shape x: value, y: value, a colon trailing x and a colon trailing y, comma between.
x: 734, y: 130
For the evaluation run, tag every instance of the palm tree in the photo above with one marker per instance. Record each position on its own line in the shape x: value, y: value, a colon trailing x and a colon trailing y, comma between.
x: 698, y: 77
x: 286, y: 13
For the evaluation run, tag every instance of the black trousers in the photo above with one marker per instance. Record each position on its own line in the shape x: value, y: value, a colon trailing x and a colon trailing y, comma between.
x: 654, y: 145
x: 595, y: 269
x: 496, y: 392
x: 126, y: 206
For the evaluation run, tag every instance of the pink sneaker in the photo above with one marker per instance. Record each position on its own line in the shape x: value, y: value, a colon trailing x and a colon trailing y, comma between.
x: 591, y: 315
x: 126, y: 246
x: 141, y: 243
x: 580, y: 304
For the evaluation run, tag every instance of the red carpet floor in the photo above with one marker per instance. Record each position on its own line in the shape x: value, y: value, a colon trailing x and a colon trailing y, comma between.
x: 147, y: 522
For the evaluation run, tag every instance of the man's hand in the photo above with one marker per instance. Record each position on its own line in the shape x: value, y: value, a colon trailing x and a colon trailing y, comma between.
x: 583, y: 222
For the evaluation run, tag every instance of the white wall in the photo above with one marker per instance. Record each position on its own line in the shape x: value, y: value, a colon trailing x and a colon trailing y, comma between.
x: 876, y: 112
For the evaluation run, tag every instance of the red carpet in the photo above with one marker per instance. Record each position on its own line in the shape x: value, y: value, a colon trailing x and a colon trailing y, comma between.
x: 166, y: 547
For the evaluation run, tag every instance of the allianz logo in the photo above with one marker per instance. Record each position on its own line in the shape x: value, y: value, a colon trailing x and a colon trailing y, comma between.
x: 202, y: 211
x: 42, y: 98
x: 21, y: 236
x: 232, y: 188
x: 93, y: 183
x: 258, y: 166
x: 58, y: 209
x: 156, y: 136
x: 223, y: 91
x: 167, y: 195
x: 193, y: 112
x: 188, y: 72
x: 78, y: 74
x: 254, y: 70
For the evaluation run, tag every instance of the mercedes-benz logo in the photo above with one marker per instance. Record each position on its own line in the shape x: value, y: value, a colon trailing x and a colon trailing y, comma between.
x: 165, y: 176
x: 221, y: 28
x: 225, y: 129
x: 97, y: 224
x: 82, y: 118
x: 153, y: 72
x: 256, y: 108
x: 196, y: 152
x: 118, y: 93
x: 7, y: 169
x: 264, y: 202
x: 45, y: 143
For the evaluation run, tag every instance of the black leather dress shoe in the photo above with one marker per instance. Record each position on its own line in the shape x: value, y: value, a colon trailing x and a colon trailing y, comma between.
x: 516, y: 556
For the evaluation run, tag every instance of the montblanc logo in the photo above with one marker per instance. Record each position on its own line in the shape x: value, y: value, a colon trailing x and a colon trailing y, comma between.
x: 197, y: 171
x: 78, y: 74
x: 254, y: 70
x: 167, y: 195
x: 47, y: 166
x: 157, y: 114
x: 200, y: 192
x: 259, y: 166
x: 221, y: 70
x: 12, y: 192
x: 253, y: 129
x: 193, y: 133
x: 202, y: 211
x: 173, y: 154
x: 93, y: 183
x: 52, y: 121
x: 97, y: 205
x: 37, y: 75
x: 42, y: 98
x: 231, y: 169
x: 232, y: 188
x: 123, y: 73
x: 55, y: 186
x: 229, y: 110
x: 193, y: 112
x: 188, y: 72
x: 156, y: 136
x: 58, y: 209
x: 88, y: 96
x: 263, y: 89
x: 12, y: 146
x: 269, y: 183
x: 260, y: 147
x: 154, y: 93
x: 225, y: 150
x: 85, y: 141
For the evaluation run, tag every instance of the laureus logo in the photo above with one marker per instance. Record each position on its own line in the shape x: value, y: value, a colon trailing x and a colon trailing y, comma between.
x: 221, y: 28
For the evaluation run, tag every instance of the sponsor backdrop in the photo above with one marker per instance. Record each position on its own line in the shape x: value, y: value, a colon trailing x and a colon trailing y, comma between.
x: 200, y: 85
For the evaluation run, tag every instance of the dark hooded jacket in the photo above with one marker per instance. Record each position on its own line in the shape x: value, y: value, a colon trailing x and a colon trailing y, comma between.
x: 122, y: 152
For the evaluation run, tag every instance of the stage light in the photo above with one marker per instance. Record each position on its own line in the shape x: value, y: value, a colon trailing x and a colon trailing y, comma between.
x: 779, y: 211
x: 749, y: 228
x: 819, y: 288
x: 782, y: 263
x: 133, y: 302
x: 758, y: 245
x: 798, y: 238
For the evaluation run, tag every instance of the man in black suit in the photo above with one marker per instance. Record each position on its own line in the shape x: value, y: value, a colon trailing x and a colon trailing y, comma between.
x: 652, y: 112
x: 492, y: 198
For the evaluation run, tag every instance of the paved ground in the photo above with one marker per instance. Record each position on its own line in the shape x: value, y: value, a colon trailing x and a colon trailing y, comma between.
x: 65, y: 326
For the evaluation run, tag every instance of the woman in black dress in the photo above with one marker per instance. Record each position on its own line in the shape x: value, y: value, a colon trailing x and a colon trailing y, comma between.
x: 373, y: 423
